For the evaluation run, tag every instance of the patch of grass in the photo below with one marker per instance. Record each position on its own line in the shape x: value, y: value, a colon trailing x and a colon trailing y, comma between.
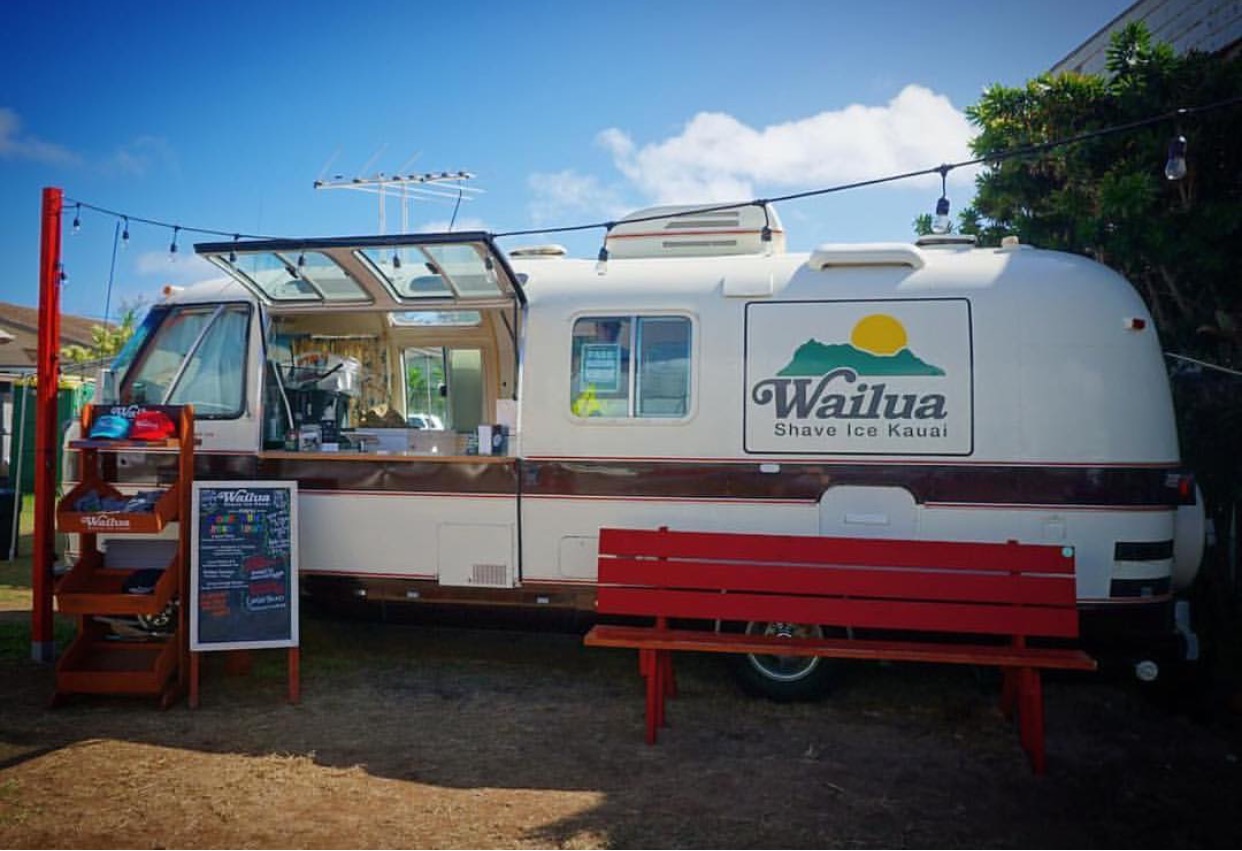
x: 15, y: 637
x: 15, y: 582
x: 11, y: 811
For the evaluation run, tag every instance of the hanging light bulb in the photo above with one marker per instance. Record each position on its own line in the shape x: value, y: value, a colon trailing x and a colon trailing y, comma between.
x: 942, y: 223
x: 765, y: 234
x: 1175, y: 166
x: 125, y: 233
x: 172, y: 246
x: 77, y: 218
x: 601, y: 262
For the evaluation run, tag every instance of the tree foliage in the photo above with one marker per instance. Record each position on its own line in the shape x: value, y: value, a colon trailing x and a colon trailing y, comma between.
x: 1107, y: 197
x: 106, y: 340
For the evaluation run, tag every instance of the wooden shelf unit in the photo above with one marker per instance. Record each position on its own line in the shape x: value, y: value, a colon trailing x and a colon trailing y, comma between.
x: 98, y: 661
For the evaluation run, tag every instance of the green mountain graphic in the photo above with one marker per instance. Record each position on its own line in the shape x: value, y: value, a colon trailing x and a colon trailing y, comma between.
x: 816, y: 358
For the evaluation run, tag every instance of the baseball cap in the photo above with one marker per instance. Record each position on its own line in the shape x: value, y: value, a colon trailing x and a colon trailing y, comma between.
x: 152, y: 425
x: 110, y: 427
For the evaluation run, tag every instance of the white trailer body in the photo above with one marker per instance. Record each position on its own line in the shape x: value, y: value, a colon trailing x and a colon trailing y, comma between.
x: 699, y: 378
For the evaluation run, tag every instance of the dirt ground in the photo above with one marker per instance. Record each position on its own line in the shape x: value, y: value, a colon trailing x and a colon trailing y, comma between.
x: 411, y: 735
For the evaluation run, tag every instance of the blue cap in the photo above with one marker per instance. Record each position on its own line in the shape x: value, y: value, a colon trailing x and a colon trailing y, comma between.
x: 110, y: 427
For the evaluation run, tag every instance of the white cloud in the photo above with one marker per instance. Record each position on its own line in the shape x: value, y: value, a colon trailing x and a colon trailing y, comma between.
x: 443, y: 225
x: 15, y: 145
x: 718, y: 158
x: 188, y: 268
x: 139, y: 156
x: 567, y: 193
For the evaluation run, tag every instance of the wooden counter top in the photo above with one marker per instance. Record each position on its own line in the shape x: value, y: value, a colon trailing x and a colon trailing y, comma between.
x: 387, y: 456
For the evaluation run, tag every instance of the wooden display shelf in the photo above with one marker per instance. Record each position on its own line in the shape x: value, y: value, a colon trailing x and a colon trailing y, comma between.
x: 96, y: 664
x: 91, y: 588
x: 168, y: 443
x: 98, y: 661
x: 115, y: 522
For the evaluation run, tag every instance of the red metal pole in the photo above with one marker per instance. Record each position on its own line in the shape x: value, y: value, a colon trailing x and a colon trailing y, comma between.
x: 47, y: 428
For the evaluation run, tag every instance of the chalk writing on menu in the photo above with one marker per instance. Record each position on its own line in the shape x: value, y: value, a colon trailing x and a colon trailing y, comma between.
x: 245, y: 571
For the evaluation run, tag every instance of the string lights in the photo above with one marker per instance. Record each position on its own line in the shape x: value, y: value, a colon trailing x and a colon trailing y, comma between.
x: 1175, y: 169
x: 601, y: 262
x: 1175, y: 166
x: 765, y: 235
x: 942, y: 223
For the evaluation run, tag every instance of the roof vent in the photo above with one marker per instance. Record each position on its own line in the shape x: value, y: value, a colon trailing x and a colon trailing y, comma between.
x: 539, y: 251
x: 946, y: 240
x: 866, y: 254
x: 697, y: 230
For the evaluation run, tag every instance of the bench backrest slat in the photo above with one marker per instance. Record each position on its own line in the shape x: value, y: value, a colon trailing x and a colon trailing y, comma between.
x: 878, y: 582
x: 844, y: 612
x: 805, y: 549
x: 1006, y: 589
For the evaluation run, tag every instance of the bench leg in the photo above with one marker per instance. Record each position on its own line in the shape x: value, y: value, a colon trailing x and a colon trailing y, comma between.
x: 656, y: 666
x: 653, y: 695
x: 670, y: 679
x: 1009, y: 692
x: 1031, y: 716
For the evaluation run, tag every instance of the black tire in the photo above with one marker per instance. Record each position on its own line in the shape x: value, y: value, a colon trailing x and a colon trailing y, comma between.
x: 784, y: 679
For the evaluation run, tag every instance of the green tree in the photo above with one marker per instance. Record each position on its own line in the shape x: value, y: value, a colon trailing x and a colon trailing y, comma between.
x: 1177, y: 241
x: 106, y: 340
x: 1108, y: 197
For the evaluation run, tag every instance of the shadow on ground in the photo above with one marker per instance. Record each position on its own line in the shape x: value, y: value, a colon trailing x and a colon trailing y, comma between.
x: 458, y: 737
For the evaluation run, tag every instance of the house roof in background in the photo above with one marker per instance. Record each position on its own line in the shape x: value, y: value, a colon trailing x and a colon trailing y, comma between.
x: 1212, y: 26
x: 19, y: 335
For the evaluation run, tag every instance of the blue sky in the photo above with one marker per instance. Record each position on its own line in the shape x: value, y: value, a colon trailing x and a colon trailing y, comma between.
x: 222, y: 115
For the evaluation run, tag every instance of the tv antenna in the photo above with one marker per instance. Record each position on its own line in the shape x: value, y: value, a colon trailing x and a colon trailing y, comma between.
x: 406, y: 187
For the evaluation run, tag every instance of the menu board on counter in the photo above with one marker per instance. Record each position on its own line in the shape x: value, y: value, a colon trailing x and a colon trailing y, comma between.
x: 244, y: 566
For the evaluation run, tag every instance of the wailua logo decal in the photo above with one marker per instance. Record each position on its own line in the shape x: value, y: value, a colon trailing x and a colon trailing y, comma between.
x: 815, y: 358
x: 874, y: 393
x: 805, y: 398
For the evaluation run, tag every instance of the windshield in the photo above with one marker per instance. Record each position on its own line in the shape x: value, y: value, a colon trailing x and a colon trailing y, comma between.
x: 197, y: 356
x: 126, y: 355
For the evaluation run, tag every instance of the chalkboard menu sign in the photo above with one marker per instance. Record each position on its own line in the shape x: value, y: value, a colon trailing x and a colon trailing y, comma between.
x: 244, y: 566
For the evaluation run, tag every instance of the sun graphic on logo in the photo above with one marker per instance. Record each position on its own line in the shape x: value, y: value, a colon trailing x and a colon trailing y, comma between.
x: 879, y: 334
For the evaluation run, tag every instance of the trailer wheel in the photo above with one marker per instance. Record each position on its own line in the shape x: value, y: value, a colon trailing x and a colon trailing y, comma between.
x: 784, y: 678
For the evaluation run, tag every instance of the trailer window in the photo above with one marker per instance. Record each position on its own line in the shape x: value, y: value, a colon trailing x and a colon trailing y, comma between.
x: 631, y: 366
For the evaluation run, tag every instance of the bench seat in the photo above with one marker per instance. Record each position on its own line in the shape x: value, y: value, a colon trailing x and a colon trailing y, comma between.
x: 941, y: 602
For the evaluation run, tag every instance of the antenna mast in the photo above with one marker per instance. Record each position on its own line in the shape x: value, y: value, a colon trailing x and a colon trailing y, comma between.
x: 443, y: 185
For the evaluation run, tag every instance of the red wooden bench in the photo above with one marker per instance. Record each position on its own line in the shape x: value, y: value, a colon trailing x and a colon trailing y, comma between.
x: 929, y: 601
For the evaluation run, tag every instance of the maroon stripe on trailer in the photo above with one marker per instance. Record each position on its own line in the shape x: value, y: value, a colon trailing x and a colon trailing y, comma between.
x: 980, y: 484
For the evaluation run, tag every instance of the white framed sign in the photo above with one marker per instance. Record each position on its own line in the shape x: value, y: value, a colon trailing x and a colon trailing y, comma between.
x: 859, y: 377
x: 244, y: 565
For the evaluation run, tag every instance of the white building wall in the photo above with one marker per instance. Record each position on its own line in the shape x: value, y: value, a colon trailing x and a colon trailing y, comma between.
x: 1208, y: 25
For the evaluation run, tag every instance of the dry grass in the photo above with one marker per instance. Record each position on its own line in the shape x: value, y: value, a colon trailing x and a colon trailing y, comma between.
x: 420, y: 736
x: 417, y: 736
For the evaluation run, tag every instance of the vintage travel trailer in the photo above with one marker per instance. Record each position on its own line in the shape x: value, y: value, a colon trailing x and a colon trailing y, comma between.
x: 462, y: 421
